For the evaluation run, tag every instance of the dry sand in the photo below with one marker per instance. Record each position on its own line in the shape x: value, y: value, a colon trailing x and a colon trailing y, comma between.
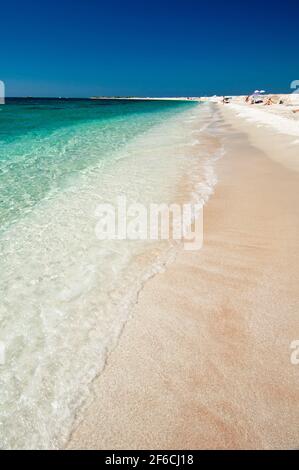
x: 204, y: 361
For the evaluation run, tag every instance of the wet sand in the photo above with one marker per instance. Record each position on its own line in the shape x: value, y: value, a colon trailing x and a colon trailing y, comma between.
x: 204, y: 362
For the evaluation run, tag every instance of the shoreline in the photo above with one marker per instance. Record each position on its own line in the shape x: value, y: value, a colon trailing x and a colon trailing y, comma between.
x: 204, y: 361
x: 145, y: 98
x: 67, y: 291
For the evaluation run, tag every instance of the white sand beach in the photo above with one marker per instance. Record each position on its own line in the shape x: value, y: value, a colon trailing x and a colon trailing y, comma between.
x: 149, y: 230
x: 204, y: 361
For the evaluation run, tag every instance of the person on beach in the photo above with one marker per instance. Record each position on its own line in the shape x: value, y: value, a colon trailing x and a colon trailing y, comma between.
x: 268, y: 101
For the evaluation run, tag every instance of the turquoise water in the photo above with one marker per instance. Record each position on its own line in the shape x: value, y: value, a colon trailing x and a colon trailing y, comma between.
x: 45, y: 142
x: 65, y: 295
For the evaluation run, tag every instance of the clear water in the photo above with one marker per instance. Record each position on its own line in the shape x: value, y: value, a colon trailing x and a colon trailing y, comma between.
x: 45, y: 143
x: 65, y: 295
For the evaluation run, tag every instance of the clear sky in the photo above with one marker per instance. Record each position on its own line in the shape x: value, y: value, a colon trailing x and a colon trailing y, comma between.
x: 141, y: 47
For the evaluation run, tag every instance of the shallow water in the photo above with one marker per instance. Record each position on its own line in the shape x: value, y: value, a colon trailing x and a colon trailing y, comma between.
x: 65, y: 295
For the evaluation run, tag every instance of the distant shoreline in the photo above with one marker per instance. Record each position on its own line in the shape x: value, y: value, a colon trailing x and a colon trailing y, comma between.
x: 112, y: 98
x: 146, y: 98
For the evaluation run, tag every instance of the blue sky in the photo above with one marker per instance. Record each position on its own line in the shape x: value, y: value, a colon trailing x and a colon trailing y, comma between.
x: 167, y: 47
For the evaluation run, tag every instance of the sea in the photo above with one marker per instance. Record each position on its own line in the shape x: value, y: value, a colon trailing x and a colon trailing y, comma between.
x: 65, y: 295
